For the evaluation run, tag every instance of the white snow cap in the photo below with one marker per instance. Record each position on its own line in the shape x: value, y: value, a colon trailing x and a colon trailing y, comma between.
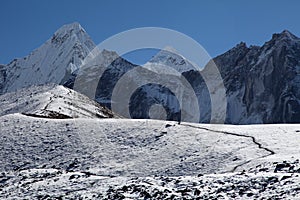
x: 75, y: 26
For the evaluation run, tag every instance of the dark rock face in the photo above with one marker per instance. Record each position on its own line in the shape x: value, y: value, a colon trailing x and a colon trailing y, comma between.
x: 200, y: 88
x: 151, y: 94
x: 109, y: 79
x: 2, y: 77
x: 263, y: 81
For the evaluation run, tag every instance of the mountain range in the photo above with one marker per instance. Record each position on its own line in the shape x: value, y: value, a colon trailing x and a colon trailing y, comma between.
x: 262, y: 82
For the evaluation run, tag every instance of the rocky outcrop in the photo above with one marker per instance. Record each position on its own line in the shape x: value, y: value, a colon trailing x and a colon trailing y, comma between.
x: 262, y: 83
x: 2, y: 77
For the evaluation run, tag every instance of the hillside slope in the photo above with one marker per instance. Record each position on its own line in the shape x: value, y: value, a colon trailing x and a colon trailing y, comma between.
x: 118, y: 158
x: 51, y: 101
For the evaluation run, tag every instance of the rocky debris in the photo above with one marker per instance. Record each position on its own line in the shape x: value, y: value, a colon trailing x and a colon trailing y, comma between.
x: 50, y: 114
x: 278, y: 167
x: 54, y: 183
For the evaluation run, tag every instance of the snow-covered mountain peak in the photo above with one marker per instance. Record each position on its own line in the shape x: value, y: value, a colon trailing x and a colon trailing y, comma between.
x: 73, y: 32
x: 168, y: 55
x: 171, y: 49
x: 67, y: 28
x: 100, y: 57
x: 52, y: 62
x: 109, y: 54
x: 172, y: 58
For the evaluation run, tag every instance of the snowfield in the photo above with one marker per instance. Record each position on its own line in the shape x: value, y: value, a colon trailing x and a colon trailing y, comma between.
x: 43, y: 158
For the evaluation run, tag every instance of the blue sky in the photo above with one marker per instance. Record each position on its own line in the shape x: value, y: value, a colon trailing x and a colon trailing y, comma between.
x: 216, y: 25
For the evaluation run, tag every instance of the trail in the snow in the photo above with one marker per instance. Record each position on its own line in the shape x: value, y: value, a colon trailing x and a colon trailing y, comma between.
x: 260, y: 146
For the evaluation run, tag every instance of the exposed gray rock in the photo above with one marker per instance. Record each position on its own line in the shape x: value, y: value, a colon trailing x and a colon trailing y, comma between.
x: 262, y: 83
x: 2, y: 77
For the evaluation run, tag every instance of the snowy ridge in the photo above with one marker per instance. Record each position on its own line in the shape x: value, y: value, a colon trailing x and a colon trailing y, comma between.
x: 51, y: 101
x: 169, y: 61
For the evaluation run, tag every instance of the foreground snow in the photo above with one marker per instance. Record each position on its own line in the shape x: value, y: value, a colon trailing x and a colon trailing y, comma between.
x: 137, y: 159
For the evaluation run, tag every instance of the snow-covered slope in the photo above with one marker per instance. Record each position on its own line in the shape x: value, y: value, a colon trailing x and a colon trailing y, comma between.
x: 112, y: 158
x: 169, y: 58
x: 51, y: 101
x: 61, y: 55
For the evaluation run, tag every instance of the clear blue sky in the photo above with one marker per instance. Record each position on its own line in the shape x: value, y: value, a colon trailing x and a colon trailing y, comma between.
x: 216, y: 25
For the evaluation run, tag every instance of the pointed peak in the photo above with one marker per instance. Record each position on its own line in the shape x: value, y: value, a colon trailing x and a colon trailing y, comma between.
x: 106, y: 52
x: 74, y: 25
x: 68, y: 28
x: 169, y: 56
x: 242, y: 44
x: 167, y: 52
x: 285, y: 34
x: 241, y: 47
x: 73, y: 30
x: 285, y: 31
x: 170, y: 49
